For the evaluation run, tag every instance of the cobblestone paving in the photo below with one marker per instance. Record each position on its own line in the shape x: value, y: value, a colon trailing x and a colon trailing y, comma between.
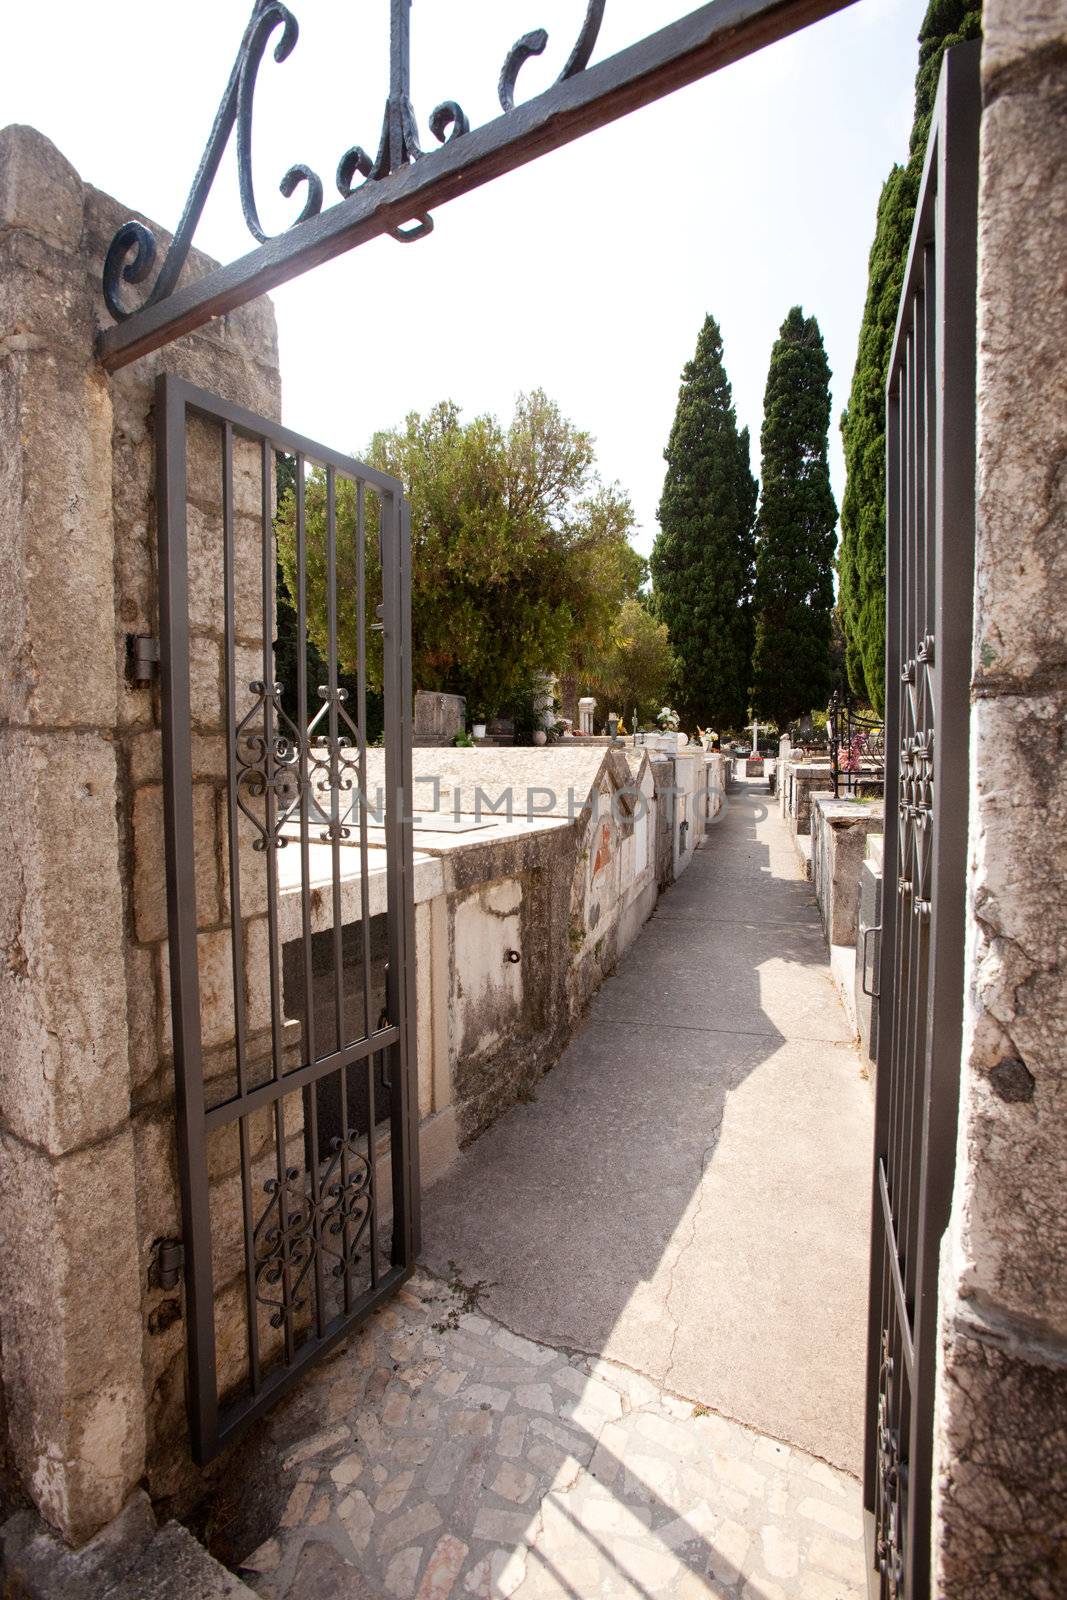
x: 439, y: 1455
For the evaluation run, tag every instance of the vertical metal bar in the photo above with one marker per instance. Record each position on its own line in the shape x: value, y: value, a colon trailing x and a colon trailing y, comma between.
x: 364, y: 858
x: 958, y: 113
x: 181, y: 911
x: 311, y: 1094
x: 335, y: 853
x: 397, y: 804
x: 407, y: 1021
x: 236, y: 925
x: 268, y: 579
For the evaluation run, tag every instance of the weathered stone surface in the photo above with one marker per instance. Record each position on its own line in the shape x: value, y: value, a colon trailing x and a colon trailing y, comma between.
x: 149, y: 873
x: 40, y: 192
x: 1001, y: 1495
x: 1012, y: 1244
x: 215, y: 966
x: 1021, y: 554
x: 57, y: 625
x: 1021, y: 35
x: 63, y: 1070
x: 1001, y: 1425
x: 73, y: 1381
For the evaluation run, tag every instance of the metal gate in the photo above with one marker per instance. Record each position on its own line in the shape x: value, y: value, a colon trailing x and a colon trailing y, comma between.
x: 930, y: 500
x: 291, y: 991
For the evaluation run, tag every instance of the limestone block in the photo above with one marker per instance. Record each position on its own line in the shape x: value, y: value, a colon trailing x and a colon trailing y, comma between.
x: 57, y: 624
x: 1021, y: 552
x: 204, y: 534
x: 1017, y: 34
x: 251, y: 863
x: 258, y: 974
x: 42, y: 293
x: 72, y: 1328
x: 40, y: 192
x: 64, y: 1075
x: 1013, y: 1105
x: 206, y: 698
x: 149, y: 872
x: 145, y: 755
x: 215, y: 967
x: 142, y: 1013
x: 1000, y: 1503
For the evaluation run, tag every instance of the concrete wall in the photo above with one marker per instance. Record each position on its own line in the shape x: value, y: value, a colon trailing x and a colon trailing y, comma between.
x: 1001, y: 1433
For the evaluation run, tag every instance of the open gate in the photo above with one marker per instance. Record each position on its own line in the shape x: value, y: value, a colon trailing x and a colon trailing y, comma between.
x: 292, y: 1000
x: 930, y: 501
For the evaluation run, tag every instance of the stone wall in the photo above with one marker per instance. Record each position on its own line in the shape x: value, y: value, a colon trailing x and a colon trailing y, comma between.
x: 1001, y: 1432
x: 93, y: 1358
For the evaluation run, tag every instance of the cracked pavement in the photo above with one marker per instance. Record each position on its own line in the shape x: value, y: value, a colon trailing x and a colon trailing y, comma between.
x: 440, y: 1455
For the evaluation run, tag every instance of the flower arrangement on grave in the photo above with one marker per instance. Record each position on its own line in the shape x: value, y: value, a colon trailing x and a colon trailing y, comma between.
x: 668, y: 720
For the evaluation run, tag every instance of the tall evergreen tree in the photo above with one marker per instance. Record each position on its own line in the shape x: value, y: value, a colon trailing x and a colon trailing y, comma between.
x: 862, y: 555
x: 795, y: 529
x: 703, y: 558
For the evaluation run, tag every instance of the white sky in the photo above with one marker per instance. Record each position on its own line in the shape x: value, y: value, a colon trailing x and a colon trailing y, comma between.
x: 587, y: 273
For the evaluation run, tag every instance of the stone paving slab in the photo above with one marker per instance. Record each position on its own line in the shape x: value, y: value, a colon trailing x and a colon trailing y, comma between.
x: 439, y: 1456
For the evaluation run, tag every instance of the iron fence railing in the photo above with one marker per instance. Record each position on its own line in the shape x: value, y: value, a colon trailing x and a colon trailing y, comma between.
x: 857, y: 749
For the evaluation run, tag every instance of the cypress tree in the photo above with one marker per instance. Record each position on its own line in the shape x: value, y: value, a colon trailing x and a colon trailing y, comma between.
x: 703, y: 557
x: 795, y: 531
x: 862, y: 555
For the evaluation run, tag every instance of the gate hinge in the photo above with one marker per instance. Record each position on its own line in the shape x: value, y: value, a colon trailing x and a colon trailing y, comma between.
x: 170, y: 1259
x: 143, y: 652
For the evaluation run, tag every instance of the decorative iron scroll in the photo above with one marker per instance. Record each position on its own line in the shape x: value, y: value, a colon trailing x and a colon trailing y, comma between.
x: 891, y: 1478
x: 292, y: 1228
x: 267, y: 753
x: 132, y: 253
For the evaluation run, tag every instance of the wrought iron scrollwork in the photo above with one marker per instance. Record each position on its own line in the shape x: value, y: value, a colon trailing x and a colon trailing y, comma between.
x: 533, y: 44
x: 284, y: 1247
x: 345, y: 1204
x: 132, y: 254
x: 267, y: 752
x: 292, y: 1228
x: 265, y: 20
x: 892, y: 1478
x: 333, y: 759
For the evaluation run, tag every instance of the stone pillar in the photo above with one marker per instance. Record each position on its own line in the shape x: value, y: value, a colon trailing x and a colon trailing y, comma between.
x: 1001, y: 1426
x: 586, y: 707
x: 93, y: 1375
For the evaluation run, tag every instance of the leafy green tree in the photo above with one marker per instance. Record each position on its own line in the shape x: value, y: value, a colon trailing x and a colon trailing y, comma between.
x: 519, y: 551
x: 795, y: 529
x: 862, y: 554
x: 702, y: 559
x: 638, y: 670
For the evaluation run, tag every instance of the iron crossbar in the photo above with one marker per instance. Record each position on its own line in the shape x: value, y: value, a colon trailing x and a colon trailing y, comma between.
x: 405, y: 182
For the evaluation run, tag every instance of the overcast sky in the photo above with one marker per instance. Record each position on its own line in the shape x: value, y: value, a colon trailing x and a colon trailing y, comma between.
x: 587, y: 274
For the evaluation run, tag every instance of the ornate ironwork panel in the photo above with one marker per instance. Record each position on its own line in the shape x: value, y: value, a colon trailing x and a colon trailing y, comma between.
x: 285, y: 565
x: 929, y: 578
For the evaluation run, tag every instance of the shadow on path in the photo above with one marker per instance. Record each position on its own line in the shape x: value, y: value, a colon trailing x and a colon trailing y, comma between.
x: 688, y: 1195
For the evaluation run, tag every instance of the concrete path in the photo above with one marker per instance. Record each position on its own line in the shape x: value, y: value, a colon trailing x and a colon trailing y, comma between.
x: 688, y: 1196
x: 637, y: 1373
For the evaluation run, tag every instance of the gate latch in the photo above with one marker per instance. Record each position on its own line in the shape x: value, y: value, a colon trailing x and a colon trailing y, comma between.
x: 871, y: 993
x: 144, y: 657
x: 170, y: 1259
